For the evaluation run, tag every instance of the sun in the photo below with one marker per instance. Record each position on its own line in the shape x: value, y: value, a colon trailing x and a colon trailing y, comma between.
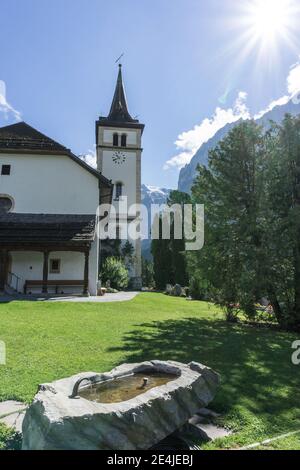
x: 266, y: 26
x: 270, y: 18
x: 261, y: 31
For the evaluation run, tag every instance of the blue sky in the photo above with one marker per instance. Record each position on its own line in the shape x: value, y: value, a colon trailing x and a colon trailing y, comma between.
x: 183, y: 59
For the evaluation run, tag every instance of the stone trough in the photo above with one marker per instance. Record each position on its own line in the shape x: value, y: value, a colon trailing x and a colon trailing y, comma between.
x: 112, y: 412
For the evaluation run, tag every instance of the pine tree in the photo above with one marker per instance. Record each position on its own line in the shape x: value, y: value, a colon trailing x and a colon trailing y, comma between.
x: 282, y: 240
x: 231, y: 188
x: 162, y: 260
x: 177, y: 247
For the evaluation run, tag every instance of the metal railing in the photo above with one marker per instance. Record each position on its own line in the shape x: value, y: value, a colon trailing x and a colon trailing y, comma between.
x: 14, y: 281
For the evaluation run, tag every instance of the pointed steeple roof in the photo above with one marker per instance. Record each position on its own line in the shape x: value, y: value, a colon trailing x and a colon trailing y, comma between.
x: 119, y: 115
x: 119, y: 111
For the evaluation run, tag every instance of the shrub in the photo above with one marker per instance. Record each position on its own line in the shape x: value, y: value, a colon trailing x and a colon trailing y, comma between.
x: 114, y: 271
x: 198, y: 289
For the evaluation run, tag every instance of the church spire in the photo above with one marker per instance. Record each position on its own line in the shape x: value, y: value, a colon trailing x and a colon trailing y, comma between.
x: 119, y: 111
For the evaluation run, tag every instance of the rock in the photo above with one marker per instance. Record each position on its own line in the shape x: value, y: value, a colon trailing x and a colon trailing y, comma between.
x: 264, y: 302
x: 177, y: 291
x: 206, y: 431
x: 207, y: 413
x: 169, y: 289
x: 195, y: 420
x: 55, y: 421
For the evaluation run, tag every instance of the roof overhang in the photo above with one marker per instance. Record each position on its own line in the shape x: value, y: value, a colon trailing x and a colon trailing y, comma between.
x: 104, y: 122
x: 21, y: 230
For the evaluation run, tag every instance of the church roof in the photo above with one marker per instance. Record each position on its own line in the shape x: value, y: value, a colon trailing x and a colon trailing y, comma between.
x: 46, y: 228
x: 21, y: 138
x: 119, y: 115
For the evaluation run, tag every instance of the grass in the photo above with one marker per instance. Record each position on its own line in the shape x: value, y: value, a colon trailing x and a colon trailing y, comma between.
x: 259, y: 394
x: 289, y: 443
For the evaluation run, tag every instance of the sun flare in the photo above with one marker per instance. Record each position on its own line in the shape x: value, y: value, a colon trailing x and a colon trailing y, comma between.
x: 270, y: 18
x: 265, y: 26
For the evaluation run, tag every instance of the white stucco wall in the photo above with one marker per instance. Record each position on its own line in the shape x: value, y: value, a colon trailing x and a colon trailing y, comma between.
x: 127, y: 173
x: 29, y: 266
x: 49, y: 184
x: 94, y: 267
x: 124, y: 173
x: 108, y: 136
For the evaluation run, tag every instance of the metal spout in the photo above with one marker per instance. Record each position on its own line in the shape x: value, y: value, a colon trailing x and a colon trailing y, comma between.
x: 74, y: 393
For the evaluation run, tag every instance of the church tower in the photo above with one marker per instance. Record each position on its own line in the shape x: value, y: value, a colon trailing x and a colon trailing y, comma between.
x: 119, y: 151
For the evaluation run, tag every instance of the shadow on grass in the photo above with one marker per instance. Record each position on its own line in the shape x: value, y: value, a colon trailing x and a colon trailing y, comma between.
x: 255, y: 364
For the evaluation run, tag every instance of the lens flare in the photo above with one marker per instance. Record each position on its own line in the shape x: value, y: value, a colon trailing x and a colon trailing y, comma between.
x: 270, y: 18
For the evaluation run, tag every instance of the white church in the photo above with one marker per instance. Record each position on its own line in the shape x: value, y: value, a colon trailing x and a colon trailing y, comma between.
x: 49, y: 199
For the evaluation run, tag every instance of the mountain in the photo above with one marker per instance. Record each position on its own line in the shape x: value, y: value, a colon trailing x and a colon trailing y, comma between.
x: 152, y: 195
x: 188, y: 173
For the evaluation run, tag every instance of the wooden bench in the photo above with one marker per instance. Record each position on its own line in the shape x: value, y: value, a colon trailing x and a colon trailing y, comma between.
x: 56, y: 284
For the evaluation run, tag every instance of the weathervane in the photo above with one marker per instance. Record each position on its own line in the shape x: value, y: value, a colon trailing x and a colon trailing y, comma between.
x: 119, y: 58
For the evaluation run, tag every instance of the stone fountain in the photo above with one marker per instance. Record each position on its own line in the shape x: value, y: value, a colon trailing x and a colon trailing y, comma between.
x: 133, y: 407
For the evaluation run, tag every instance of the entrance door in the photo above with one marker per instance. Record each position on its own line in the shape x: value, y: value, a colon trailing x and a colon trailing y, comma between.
x: 4, y: 265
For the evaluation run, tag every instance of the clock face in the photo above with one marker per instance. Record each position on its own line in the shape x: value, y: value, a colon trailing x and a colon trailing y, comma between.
x: 119, y: 157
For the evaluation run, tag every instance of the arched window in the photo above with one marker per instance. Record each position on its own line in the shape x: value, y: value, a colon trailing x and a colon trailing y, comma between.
x: 119, y: 190
x: 6, y: 204
x: 116, y: 140
x: 123, y: 140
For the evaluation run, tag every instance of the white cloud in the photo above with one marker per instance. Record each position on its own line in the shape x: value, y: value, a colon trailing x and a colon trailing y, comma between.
x: 5, y: 107
x: 293, y: 88
x: 293, y: 80
x: 90, y: 158
x: 190, y: 141
x: 280, y: 102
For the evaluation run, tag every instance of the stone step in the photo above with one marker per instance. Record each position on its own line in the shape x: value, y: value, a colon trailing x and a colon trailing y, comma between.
x: 14, y: 421
x: 10, y: 407
x: 207, y: 413
x: 207, y: 431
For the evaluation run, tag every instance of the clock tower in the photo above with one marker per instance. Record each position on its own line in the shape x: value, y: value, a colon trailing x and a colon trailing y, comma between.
x: 119, y: 151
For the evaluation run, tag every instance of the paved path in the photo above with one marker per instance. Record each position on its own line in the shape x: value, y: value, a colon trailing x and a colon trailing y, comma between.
x: 12, y: 414
x: 119, y: 297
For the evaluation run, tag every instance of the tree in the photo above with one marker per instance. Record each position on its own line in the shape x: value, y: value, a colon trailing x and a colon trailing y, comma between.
x: 282, y: 237
x: 169, y: 255
x: 127, y: 254
x: 148, y: 273
x: 177, y: 247
x: 162, y: 259
x: 231, y: 190
x: 115, y: 272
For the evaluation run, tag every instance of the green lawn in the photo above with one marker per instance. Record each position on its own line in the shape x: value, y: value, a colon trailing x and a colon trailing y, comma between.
x: 259, y: 394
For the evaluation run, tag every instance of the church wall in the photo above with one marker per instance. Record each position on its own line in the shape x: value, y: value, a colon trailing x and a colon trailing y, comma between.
x: 128, y: 172
x: 108, y: 136
x: 49, y: 185
x: 29, y: 266
x: 93, y: 268
x: 125, y: 173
